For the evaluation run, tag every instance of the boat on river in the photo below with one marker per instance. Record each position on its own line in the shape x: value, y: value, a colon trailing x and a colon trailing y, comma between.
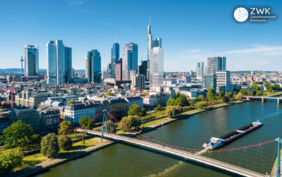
x: 215, y: 142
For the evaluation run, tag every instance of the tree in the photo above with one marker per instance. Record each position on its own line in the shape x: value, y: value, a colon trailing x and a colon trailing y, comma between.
x: 65, y: 142
x: 221, y: 94
x: 158, y: 108
x: 200, y: 104
x: 111, y: 126
x: 134, y: 110
x: 173, y: 110
x: 239, y: 96
x: 70, y: 102
x: 178, y: 101
x: 170, y: 102
x: 65, y: 127
x: 10, y: 159
x: 128, y: 122
x: 115, y: 113
x: 227, y: 94
x: 108, y: 93
x: 210, y: 95
x: 142, y: 112
x: 225, y: 99
x: 275, y: 87
x: 192, y: 102
x: 87, y: 123
x: 184, y: 102
x: 135, y: 122
x: 259, y: 93
x: 50, y: 146
x: 19, y: 134
x: 201, y: 97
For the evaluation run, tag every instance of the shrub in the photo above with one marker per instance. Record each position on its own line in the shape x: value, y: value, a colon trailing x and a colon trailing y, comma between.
x: 65, y: 142
x: 158, y: 108
x: 225, y: 99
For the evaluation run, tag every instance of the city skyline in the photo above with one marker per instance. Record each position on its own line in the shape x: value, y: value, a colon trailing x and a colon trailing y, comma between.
x: 193, y: 39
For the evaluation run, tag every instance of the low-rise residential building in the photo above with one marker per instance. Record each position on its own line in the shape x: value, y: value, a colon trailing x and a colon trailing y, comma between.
x: 150, y: 100
x: 75, y: 111
x: 50, y: 118
x: 119, y: 104
x: 135, y: 100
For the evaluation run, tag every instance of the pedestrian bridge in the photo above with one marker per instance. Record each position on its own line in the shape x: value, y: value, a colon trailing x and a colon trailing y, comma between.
x: 177, y: 152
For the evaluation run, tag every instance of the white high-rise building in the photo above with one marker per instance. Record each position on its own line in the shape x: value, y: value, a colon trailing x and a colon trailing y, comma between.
x: 31, y: 62
x: 152, y: 43
x: 223, y: 81
x: 156, y: 66
x: 55, y: 62
x: 200, y: 69
x: 215, y: 64
x: 104, y: 72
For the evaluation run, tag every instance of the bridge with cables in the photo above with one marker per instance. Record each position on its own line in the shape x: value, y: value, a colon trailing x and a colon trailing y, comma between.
x: 189, y: 153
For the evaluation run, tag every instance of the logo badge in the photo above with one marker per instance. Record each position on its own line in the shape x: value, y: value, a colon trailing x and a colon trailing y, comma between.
x: 241, y: 14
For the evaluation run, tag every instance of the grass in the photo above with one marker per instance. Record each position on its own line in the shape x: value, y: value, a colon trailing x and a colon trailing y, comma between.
x: 31, y: 160
x: 153, y: 122
x: 79, y: 145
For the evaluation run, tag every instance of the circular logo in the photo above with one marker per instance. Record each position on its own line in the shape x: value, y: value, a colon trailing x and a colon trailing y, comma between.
x: 241, y: 14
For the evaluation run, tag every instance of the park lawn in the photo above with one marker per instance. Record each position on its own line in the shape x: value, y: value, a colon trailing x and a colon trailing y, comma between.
x: 78, y: 145
x: 31, y: 160
x: 153, y: 122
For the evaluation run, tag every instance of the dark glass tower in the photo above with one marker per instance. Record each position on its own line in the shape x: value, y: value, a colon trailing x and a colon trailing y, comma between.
x: 94, y: 67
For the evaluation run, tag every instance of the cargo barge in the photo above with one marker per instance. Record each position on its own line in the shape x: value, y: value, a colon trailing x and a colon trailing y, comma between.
x: 214, y: 142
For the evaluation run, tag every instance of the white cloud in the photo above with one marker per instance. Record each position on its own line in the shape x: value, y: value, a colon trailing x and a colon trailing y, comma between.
x: 75, y: 2
x: 257, y: 57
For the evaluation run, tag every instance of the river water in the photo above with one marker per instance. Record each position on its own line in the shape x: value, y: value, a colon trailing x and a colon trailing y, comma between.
x: 123, y: 159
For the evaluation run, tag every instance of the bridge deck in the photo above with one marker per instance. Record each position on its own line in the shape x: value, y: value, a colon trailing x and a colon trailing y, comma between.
x: 181, y: 153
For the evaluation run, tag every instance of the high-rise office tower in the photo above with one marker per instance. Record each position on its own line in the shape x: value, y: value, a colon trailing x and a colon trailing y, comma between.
x: 31, y: 62
x: 86, y: 67
x: 114, y: 58
x: 209, y: 81
x: 129, y: 60
x: 156, y: 66
x: 138, y: 82
x: 94, y: 66
x: 104, y: 72
x: 109, y: 70
x: 142, y: 69
x: 223, y: 81
x: 200, y: 69
x: 152, y: 43
x: 216, y: 64
x: 55, y: 62
x: 119, y: 70
x: 68, y: 64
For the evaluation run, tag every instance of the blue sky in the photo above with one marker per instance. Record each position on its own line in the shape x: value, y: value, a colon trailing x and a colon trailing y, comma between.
x: 191, y: 30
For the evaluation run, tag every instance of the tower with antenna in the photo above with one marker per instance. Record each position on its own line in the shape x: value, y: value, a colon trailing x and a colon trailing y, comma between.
x: 22, y: 65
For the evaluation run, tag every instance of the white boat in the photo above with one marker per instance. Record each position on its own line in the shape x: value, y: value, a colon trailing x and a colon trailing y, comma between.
x: 213, y: 143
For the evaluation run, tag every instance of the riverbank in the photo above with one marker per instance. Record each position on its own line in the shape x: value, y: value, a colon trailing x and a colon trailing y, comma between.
x: 52, y: 163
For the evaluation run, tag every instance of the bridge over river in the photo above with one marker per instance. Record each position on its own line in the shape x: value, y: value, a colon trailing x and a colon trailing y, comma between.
x: 177, y: 152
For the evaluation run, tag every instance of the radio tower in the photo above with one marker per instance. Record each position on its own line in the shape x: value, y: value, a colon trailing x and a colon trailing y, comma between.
x: 22, y: 64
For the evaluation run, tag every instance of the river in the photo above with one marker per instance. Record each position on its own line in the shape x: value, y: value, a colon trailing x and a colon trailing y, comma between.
x: 123, y: 159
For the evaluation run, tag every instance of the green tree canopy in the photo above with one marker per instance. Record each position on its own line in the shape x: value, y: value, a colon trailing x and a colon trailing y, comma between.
x: 170, y: 102
x: 108, y: 93
x: 87, y: 123
x: 111, y: 126
x: 192, y: 102
x: 65, y: 142
x: 50, y: 146
x: 200, y: 104
x: 70, y: 102
x: 201, y: 97
x: 115, y: 113
x: 210, y: 95
x: 239, y: 96
x: 226, y: 99
x: 158, y: 108
x: 18, y: 134
x: 135, y: 110
x: 65, y: 127
x: 10, y: 159
x: 129, y: 122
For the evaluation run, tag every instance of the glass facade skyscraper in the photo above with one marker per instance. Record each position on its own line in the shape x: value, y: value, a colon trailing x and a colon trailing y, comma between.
x: 152, y: 43
x: 129, y: 60
x: 94, y: 66
x: 156, y: 66
x: 31, y: 61
x: 55, y: 62
x: 215, y: 64
x: 200, y: 69
x: 114, y: 58
x: 68, y: 64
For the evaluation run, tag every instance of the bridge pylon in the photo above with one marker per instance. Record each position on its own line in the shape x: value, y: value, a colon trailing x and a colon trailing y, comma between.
x: 103, y: 126
x: 278, y: 157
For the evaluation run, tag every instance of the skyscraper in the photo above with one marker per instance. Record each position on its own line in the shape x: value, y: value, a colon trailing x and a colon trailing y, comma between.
x: 104, y: 73
x: 200, y: 69
x: 222, y: 81
x: 119, y: 70
x: 142, y: 69
x: 94, y: 66
x: 114, y: 58
x: 55, y: 62
x: 109, y: 70
x: 156, y: 66
x: 86, y: 67
x: 152, y: 43
x: 129, y: 60
x: 216, y: 64
x: 31, y: 62
x: 68, y: 64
